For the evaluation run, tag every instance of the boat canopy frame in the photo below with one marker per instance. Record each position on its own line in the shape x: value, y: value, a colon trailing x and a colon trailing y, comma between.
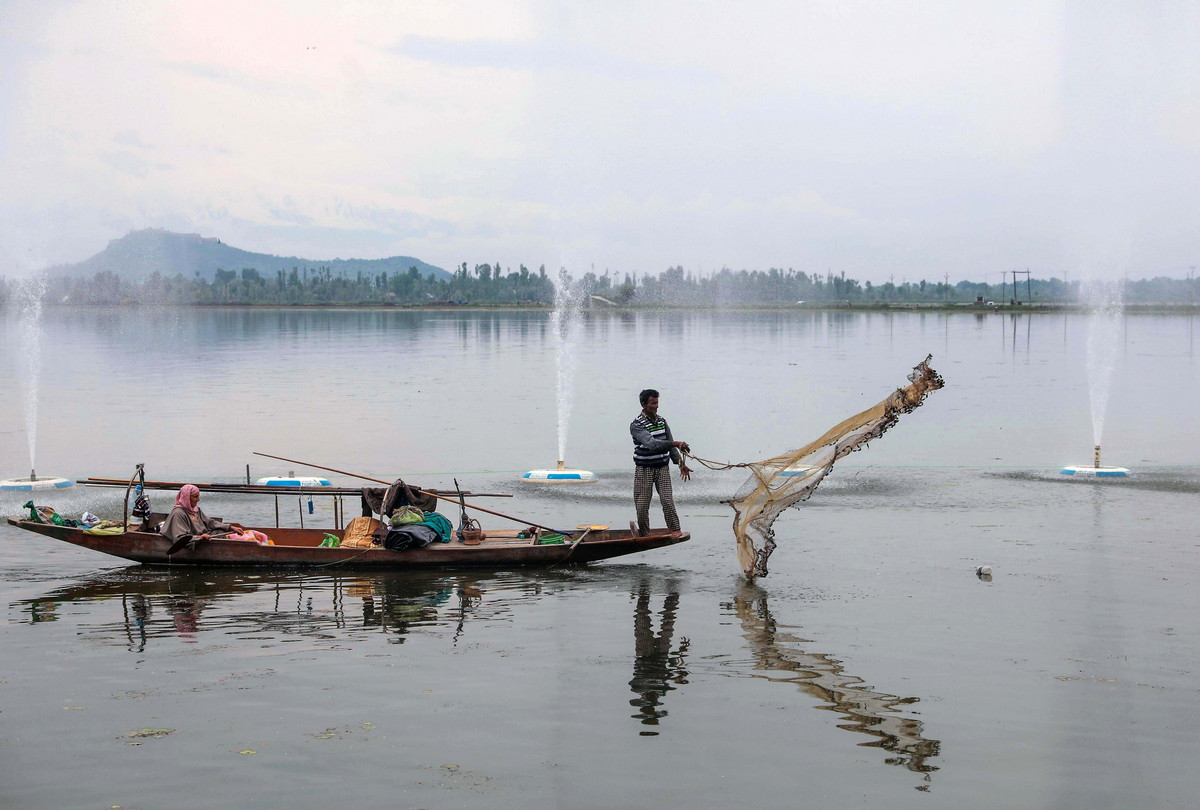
x: 337, y: 493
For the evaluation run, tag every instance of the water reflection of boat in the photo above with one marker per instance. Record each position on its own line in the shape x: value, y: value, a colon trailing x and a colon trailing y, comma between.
x: 176, y: 606
x: 302, y: 548
x: 185, y: 602
x: 137, y: 608
x: 779, y: 658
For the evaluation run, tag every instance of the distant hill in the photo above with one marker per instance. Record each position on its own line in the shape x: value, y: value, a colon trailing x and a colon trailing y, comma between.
x: 139, y: 253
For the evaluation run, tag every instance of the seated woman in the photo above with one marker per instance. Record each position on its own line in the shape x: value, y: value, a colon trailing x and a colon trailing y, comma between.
x: 187, y: 518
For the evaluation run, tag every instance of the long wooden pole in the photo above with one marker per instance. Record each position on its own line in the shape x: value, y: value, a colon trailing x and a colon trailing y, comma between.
x: 423, y: 492
x: 256, y: 489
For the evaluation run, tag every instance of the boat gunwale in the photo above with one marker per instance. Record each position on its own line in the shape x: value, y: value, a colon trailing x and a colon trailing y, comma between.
x: 150, y: 548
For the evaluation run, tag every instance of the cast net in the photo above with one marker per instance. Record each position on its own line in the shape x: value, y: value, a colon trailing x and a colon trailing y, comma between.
x: 788, y: 479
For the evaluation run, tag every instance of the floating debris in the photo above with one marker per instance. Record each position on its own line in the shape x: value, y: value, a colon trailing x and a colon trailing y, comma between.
x: 135, y: 737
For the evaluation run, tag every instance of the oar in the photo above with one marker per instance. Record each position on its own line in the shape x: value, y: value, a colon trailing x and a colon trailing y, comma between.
x: 180, y: 543
x: 389, y: 483
x: 578, y: 540
x: 189, y: 538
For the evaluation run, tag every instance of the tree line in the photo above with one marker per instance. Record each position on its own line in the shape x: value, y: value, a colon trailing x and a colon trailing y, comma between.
x: 491, y: 285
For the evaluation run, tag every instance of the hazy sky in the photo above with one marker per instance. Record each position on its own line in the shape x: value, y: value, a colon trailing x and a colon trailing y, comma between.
x: 901, y: 140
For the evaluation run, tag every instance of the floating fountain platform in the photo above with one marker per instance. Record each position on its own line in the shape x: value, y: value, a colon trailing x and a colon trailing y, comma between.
x: 560, y: 475
x: 33, y: 482
x: 293, y: 481
x: 1084, y: 471
x: 1094, y: 470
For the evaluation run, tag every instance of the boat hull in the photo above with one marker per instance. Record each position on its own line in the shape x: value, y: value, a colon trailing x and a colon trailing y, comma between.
x: 300, y: 548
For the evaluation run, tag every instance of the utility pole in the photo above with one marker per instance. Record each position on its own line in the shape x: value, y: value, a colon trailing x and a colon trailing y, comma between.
x: 1028, y: 289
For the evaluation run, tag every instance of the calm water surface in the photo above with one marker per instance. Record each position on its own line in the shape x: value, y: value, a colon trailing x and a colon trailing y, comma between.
x: 872, y: 668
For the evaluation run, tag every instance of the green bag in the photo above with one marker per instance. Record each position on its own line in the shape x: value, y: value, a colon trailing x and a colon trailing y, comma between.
x: 406, y: 514
x: 330, y: 541
x: 44, y: 514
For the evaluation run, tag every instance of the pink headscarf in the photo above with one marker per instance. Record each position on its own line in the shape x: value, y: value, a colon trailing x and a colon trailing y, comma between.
x: 184, y: 498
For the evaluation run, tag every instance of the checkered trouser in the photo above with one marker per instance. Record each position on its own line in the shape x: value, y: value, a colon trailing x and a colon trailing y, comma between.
x: 645, y: 481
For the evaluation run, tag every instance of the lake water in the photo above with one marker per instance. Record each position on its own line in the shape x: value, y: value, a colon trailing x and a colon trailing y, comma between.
x: 872, y: 668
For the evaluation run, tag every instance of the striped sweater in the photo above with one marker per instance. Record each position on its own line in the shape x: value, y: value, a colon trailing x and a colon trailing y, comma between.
x: 652, y: 442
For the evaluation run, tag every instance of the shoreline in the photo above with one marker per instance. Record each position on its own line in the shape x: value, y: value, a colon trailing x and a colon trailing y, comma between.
x: 872, y: 306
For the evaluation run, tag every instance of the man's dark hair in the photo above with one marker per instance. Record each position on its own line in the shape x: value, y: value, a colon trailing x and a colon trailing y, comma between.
x: 646, y: 394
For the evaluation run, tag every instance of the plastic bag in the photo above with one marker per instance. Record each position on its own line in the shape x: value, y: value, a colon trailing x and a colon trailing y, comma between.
x: 44, y: 514
x: 406, y: 514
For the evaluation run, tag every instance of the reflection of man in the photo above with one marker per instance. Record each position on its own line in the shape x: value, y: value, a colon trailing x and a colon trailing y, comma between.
x: 655, y: 665
x: 654, y: 448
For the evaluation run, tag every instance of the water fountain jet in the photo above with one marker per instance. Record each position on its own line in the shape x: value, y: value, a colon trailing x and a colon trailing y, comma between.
x: 28, y: 299
x: 564, y: 323
x: 1106, y: 305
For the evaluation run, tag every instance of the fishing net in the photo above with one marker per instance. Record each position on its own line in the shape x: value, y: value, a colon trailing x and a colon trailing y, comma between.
x: 786, y: 480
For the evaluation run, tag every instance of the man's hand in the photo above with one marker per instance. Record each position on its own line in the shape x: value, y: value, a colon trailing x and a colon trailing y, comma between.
x: 682, y: 446
x: 684, y: 472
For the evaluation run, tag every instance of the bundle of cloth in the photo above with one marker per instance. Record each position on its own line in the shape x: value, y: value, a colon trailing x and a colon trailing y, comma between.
x: 408, y: 512
x: 407, y: 532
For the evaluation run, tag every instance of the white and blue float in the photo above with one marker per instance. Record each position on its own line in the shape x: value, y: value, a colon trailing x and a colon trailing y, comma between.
x: 293, y: 481
x: 799, y: 471
x: 33, y: 482
x: 1083, y: 471
x: 1095, y: 470
x: 560, y: 475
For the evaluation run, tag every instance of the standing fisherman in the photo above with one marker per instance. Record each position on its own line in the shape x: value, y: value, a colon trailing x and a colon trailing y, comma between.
x: 653, y: 450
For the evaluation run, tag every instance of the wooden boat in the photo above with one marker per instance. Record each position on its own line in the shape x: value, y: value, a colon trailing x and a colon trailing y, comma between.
x: 302, y: 548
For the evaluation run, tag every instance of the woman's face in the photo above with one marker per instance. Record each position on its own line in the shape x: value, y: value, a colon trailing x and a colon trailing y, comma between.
x: 195, y: 499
